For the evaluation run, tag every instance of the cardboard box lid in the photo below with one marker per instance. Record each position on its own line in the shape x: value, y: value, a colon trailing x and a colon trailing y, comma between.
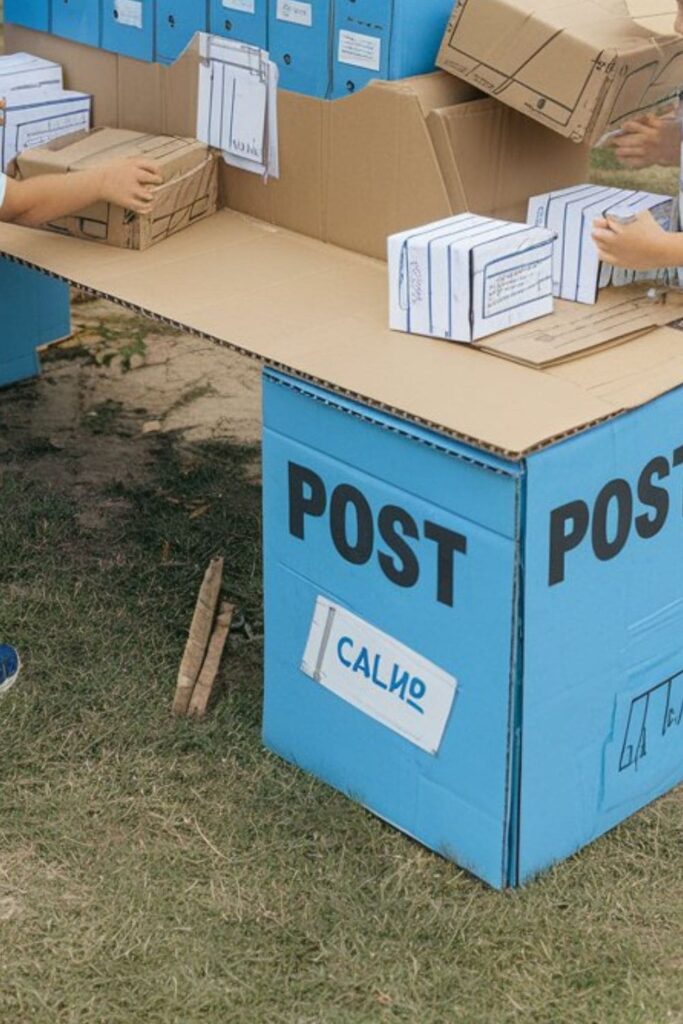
x: 82, y: 150
x: 321, y: 312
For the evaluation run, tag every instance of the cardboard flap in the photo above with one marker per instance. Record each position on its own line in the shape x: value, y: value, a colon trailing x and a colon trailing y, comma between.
x: 633, y: 373
x: 576, y: 329
x: 379, y: 158
x: 502, y: 139
x: 657, y: 16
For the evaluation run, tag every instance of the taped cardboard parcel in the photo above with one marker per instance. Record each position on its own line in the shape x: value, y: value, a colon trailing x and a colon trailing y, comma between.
x: 189, y: 192
x: 582, y: 67
x: 353, y: 171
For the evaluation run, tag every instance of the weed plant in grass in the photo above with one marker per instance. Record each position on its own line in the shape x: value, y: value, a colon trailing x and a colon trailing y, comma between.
x: 160, y: 871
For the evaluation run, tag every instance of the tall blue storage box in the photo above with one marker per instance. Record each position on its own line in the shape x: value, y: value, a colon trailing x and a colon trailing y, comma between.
x: 299, y: 41
x: 29, y: 13
x: 177, y: 22
x: 34, y: 310
x: 78, y: 20
x: 385, y: 39
x: 128, y: 27
x: 487, y: 653
x: 243, y: 20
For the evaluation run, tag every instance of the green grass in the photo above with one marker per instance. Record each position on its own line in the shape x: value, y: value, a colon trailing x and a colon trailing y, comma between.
x: 606, y: 170
x: 158, y: 871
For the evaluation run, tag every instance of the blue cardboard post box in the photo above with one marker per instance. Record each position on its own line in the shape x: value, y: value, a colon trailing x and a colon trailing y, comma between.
x: 385, y: 39
x: 177, y: 22
x: 78, y: 20
x: 244, y: 20
x: 34, y: 310
x: 485, y: 651
x: 128, y: 27
x: 29, y: 13
x: 300, y: 33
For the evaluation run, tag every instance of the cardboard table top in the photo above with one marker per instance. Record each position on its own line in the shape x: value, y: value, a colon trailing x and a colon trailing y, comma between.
x: 320, y: 312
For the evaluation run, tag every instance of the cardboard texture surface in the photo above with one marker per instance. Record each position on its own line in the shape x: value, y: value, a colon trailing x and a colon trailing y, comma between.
x: 500, y: 671
x: 581, y: 68
x: 285, y: 298
x: 188, y: 195
x: 353, y: 171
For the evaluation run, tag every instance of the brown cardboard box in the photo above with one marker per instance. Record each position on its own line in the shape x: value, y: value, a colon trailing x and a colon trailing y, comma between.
x: 355, y: 170
x: 189, y: 192
x: 582, y: 67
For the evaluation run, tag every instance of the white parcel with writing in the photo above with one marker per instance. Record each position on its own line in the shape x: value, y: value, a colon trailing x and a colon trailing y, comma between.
x: 578, y: 273
x: 467, y: 277
x: 33, y: 119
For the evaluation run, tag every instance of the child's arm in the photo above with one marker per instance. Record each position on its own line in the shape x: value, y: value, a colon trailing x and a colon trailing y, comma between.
x: 642, y: 245
x: 648, y: 141
x: 127, y: 183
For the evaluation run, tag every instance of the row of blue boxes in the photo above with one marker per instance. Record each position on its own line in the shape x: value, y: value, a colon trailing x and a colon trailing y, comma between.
x: 324, y: 48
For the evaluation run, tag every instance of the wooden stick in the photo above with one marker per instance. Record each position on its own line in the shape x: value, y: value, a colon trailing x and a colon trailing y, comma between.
x: 203, y: 689
x: 198, y: 638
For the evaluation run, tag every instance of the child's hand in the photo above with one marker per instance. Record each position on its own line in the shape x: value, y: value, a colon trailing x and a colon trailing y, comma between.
x: 642, y: 245
x: 131, y: 183
x: 649, y: 140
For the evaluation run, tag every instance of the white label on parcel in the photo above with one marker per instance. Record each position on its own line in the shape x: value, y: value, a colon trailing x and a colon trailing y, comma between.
x: 129, y: 12
x: 296, y: 11
x: 246, y: 6
x: 379, y: 675
x: 360, y: 50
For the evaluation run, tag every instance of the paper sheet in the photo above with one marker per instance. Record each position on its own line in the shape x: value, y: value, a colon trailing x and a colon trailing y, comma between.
x: 237, y: 109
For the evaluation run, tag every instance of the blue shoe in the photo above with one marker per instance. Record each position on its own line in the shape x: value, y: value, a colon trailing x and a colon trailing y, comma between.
x: 10, y: 666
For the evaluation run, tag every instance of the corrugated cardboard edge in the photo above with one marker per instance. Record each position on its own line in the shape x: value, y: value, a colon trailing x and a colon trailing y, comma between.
x: 357, y: 396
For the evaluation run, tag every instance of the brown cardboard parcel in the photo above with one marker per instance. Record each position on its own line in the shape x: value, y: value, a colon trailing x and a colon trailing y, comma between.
x: 320, y: 312
x: 353, y: 171
x: 189, y: 192
x: 582, y: 67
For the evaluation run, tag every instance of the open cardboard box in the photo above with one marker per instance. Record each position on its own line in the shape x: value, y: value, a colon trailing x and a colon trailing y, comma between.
x: 320, y: 311
x: 582, y: 67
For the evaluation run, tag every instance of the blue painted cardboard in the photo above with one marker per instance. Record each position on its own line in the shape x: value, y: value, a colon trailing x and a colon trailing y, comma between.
x: 34, y: 310
x: 244, y: 20
x: 455, y: 802
x: 300, y: 36
x: 603, y: 640
x: 135, y: 39
x: 385, y: 39
x: 563, y: 632
x: 79, y: 20
x: 177, y: 22
x: 29, y: 13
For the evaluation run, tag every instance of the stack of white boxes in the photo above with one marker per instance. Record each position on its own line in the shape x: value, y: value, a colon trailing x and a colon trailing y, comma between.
x: 37, y: 107
x: 578, y: 273
x: 467, y: 277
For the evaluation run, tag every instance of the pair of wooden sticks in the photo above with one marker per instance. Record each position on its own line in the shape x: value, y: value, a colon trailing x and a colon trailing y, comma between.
x: 205, y: 644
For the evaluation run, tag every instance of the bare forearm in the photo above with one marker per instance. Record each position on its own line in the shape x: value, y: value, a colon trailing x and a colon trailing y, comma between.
x: 672, y: 250
x: 40, y: 200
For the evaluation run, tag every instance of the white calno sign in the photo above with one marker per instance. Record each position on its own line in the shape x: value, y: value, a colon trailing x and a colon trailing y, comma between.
x: 379, y: 675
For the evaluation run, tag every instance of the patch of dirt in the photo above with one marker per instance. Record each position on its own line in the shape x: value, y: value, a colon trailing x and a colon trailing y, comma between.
x: 92, y: 417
